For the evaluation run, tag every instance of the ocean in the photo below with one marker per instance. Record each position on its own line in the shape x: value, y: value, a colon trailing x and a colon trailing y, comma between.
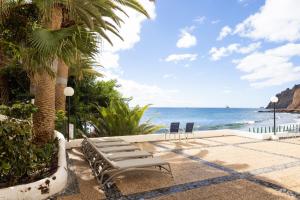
x: 217, y: 118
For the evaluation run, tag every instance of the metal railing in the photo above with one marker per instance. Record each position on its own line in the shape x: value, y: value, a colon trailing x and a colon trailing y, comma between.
x: 295, y: 128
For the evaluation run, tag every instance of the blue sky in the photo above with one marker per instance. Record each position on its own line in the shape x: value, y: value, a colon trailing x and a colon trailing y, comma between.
x: 208, y: 53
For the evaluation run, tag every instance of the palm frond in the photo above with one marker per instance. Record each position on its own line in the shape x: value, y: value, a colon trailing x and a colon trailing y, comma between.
x: 119, y: 119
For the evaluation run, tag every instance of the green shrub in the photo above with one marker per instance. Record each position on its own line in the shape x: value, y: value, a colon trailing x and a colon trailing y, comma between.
x: 21, y: 160
x: 60, y: 121
x: 18, y: 110
x: 119, y: 119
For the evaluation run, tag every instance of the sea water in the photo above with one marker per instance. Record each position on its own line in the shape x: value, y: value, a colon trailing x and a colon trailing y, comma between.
x: 217, y: 118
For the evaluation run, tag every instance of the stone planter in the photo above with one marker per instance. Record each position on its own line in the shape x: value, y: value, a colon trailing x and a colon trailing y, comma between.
x: 43, y: 188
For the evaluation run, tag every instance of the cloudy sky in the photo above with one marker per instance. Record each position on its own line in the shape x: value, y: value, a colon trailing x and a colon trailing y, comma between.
x: 207, y: 53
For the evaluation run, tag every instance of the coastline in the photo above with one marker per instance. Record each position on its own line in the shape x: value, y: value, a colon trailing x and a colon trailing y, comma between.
x: 220, y: 118
x: 292, y: 111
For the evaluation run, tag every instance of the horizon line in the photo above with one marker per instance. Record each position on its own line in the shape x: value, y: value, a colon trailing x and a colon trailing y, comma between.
x: 204, y: 107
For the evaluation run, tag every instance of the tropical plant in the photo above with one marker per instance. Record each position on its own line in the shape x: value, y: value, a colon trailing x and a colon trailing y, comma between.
x: 60, y: 121
x: 119, y: 119
x: 21, y: 111
x: 98, y: 16
x: 17, y: 82
x: 88, y: 92
x: 78, y: 69
x: 62, y: 30
x: 22, y: 161
x: 15, y: 25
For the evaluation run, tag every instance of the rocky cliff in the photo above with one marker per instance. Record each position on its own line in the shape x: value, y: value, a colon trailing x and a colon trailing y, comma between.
x: 288, y: 99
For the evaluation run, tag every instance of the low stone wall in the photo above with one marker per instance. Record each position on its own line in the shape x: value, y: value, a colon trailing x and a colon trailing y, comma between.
x: 197, y: 134
x: 43, y: 188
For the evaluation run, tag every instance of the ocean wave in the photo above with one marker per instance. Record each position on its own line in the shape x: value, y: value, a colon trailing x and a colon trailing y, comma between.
x: 248, y: 122
x: 235, y: 125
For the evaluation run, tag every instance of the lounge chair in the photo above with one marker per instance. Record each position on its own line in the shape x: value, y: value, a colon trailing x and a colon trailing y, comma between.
x: 120, y: 162
x: 106, y: 139
x: 114, y: 169
x: 118, y: 149
x: 111, y: 144
x: 189, y: 127
x: 102, y: 142
x: 127, y: 155
x: 174, y: 128
x: 111, y: 150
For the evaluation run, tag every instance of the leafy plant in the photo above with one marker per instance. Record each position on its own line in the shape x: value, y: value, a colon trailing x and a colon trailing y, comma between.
x: 18, y: 110
x: 119, y: 119
x: 18, y: 83
x: 60, y: 119
x: 21, y: 160
x: 88, y: 92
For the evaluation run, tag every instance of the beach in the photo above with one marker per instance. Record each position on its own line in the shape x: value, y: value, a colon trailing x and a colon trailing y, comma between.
x: 218, y: 118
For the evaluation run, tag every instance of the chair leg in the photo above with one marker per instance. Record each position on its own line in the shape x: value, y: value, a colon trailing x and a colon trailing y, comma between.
x: 170, y: 170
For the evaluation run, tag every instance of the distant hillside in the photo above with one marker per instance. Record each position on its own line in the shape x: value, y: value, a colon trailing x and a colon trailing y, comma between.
x: 288, y: 99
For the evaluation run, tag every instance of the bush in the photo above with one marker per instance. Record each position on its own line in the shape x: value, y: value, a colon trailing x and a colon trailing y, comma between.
x: 22, y: 161
x: 119, y: 119
x: 18, y: 110
x: 60, y: 121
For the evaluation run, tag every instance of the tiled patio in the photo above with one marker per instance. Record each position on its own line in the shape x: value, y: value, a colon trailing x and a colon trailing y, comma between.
x: 226, y: 167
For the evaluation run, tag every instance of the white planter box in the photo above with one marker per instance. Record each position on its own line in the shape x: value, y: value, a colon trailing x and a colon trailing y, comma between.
x: 46, y: 187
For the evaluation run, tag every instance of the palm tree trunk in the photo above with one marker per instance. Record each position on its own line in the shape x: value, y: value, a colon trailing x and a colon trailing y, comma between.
x: 61, y: 83
x: 43, y: 120
x: 32, y: 86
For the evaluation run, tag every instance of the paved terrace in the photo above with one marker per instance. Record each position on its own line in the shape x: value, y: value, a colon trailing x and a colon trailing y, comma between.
x: 217, y: 166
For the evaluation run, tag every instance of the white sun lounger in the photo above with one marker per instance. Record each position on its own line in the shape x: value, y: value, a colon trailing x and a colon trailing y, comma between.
x: 106, y: 140
x: 115, y: 153
x: 127, y: 155
x: 114, y: 161
x: 116, y: 168
x: 111, y: 144
x: 118, y: 149
x: 87, y: 148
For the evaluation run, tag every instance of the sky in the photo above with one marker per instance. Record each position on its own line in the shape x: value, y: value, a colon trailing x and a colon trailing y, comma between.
x: 208, y: 53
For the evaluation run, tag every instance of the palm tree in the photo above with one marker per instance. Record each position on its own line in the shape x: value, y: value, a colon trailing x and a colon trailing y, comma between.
x: 63, y: 29
x: 101, y: 26
x: 39, y: 51
x: 81, y: 65
x: 119, y: 119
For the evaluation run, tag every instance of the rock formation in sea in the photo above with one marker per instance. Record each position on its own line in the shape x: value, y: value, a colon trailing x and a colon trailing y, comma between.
x: 288, y: 99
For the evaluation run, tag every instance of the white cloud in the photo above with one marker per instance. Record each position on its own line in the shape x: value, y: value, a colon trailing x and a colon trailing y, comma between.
x: 169, y: 76
x: 250, y: 48
x: 226, y: 91
x: 272, y: 67
x: 200, y: 19
x: 186, y: 39
x: 277, y: 20
x: 180, y: 57
x: 243, y: 2
x: 130, y: 31
x: 145, y: 94
x: 109, y: 59
x: 218, y: 53
x: 226, y: 30
x: 215, y: 21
